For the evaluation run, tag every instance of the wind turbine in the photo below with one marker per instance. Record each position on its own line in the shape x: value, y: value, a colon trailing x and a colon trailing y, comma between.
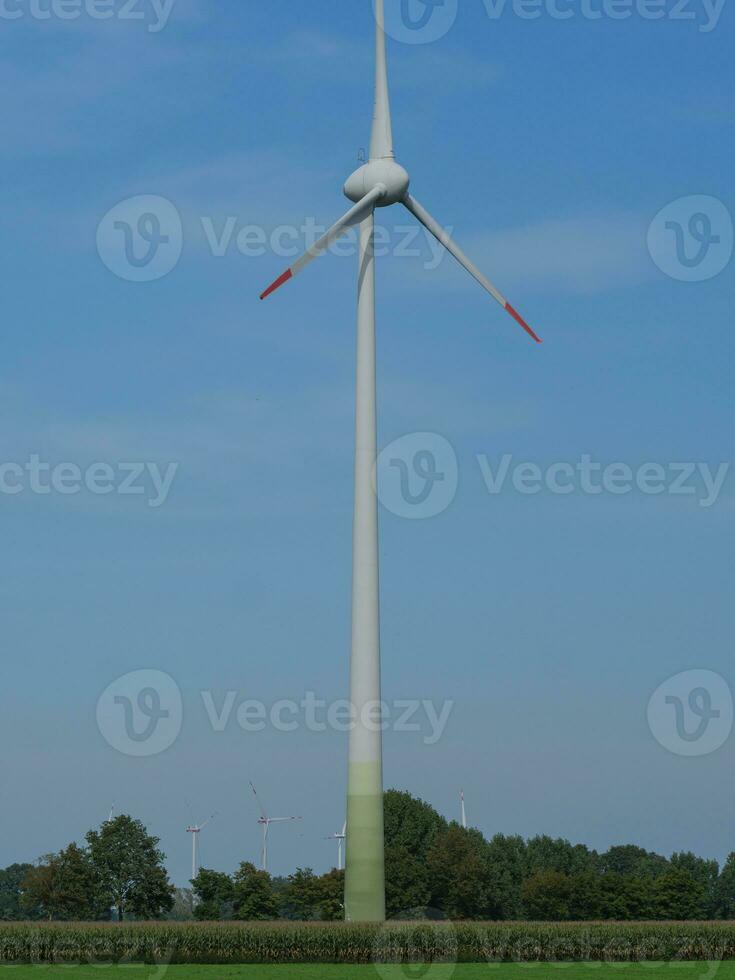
x: 196, y: 829
x: 265, y: 821
x: 461, y: 804
x: 379, y: 183
x: 340, y: 838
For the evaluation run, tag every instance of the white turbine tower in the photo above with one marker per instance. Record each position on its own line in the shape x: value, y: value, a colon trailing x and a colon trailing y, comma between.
x: 195, y: 829
x: 379, y: 183
x: 461, y: 806
x: 340, y: 838
x: 265, y: 821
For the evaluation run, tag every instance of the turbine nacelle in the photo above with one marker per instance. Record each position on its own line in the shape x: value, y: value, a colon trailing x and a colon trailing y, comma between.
x: 385, y: 174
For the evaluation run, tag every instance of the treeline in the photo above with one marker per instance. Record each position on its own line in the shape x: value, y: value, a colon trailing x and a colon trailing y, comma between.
x: 118, y: 873
x: 439, y: 865
x: 437, y: 868
x: 250, y: 895
x: 434, y: 868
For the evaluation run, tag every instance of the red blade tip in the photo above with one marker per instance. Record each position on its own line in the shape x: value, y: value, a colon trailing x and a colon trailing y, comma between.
x: 516, y: 316
x: 279, y: 282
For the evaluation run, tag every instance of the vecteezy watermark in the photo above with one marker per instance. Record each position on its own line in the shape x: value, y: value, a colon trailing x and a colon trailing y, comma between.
x: 417, y: 475
x: 154, y: 14
x: 706, y: 14
x: 691, y: 713
x: 311, y: 713
x: 418, y: 21
x: 97, y: 962
x: 141, y: 239
x: 36, y: 476
x: 290, y: 241
x: 590, y: 477
x: 691, y: 238
x: 399, y: 946
x: 424, y: 21
x: 141, y: 713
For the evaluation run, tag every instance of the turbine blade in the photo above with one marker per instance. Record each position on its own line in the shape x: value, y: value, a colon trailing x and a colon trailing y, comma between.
x: 381, y: 139
x: 354, y: 216
x: 263, y: 814
x: 208, y: 820
x: 422, y: 215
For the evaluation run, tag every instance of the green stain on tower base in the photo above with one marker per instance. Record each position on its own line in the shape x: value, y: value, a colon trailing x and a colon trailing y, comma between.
x: 365, y: 859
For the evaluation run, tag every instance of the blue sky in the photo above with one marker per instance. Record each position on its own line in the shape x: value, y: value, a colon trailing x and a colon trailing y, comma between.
x: 549, y: 620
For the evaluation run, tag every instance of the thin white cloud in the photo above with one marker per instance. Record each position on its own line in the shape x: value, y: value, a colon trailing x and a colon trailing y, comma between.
x: 581, y: 254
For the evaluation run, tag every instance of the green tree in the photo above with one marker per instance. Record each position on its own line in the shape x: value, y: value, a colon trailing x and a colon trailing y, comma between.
x: 213, y: 895
x: 585, y: 896
x: 457, y: 870
x: 309, y: 897
x: 37, y: 888
x: 76, y: 891
x: 725, y: 889
x: 410, y: 823
x: 505, y: 859
x: 679, y: 895
x: 546, y: 895
x: 252, y: 894
x: 406, y: 881
x: 11, y: 879
x: 332, y: 907
x: 130, y: 869
x: 627, y: 859
x: 704, y: 872
x: 557, y: 854
x: 610, y: 896
x: 302, y: 896
x: 627, y: 896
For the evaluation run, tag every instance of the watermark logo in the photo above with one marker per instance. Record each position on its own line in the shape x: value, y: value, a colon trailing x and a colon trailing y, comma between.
x: 699, y: 480
x: 223, y: 237
x: 705, y: 14
x: 141, y: 713
x: 424, y: 718
x: 691, y: 239
x: 417, y: 475
x: 691, y: 713
x: 418, y: 21
x: 38, y: 476
x: 153, y: 13
x: 141, y: 238
x: 399, y: 947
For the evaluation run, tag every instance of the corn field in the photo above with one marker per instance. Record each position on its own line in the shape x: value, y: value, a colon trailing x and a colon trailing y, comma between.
x: 394, y: 942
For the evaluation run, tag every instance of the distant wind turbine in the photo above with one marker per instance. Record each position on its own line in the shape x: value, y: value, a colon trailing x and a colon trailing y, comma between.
x: 464, y: 815
x: 265, y: 821
x: 196, y: 829
x: 340, y: 838
x: 379, y: 183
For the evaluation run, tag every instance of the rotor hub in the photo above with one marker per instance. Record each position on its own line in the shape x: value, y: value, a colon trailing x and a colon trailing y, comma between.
x: 386, y: 172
